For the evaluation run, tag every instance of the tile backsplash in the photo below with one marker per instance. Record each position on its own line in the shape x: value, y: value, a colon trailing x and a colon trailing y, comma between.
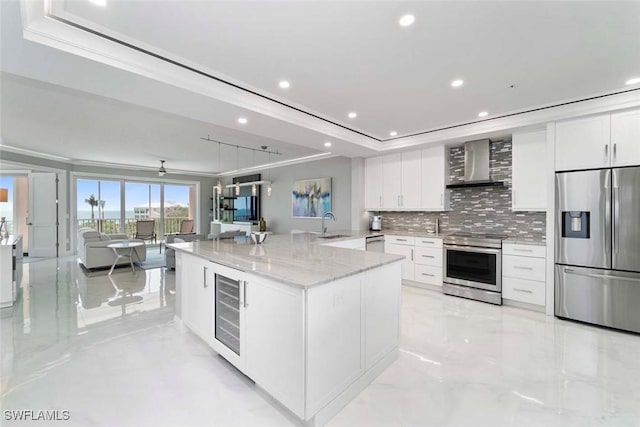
x: 480, y: 210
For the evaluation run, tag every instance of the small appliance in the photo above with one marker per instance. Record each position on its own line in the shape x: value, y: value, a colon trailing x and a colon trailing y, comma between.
x: 375, y: 223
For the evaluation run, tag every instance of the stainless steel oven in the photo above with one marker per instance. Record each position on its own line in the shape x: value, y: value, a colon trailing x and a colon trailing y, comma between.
x: 473, y: 266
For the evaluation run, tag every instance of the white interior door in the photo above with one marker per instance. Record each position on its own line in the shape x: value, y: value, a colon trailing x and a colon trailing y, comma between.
x: 42, y: 218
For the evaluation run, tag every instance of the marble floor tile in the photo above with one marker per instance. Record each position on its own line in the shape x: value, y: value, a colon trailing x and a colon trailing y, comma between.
x: 107, y: 349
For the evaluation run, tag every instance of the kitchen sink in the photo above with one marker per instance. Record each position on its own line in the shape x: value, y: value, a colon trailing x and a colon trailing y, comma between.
x: 332, y: 236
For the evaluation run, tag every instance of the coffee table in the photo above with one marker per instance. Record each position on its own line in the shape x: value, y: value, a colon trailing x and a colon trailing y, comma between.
x: 124, y: 245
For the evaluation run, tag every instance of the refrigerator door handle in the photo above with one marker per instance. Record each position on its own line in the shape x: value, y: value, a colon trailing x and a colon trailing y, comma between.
x: 600, y: 276
x: 608, y: 235
x: 616, y: 217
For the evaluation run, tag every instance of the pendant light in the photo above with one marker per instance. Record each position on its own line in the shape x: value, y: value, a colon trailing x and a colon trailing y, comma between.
x: 237, y: 167
x: 254, y: 187
x: 219, y: 185
x: 269, y: 189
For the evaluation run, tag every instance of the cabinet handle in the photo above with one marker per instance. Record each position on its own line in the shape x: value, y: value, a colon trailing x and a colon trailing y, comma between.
x: 522, y: 268
x: 428, y: 256
x: 614, y: 151
x: 401, y: 240
x: 411, y: 254
x: 428, y: 242
x: 606, y: 151
x: 244, y: 292
x: 204, y: 275
x: 427, y: 274
x: 441, y: 199
x: 523, y: 290
x: 399, y: 201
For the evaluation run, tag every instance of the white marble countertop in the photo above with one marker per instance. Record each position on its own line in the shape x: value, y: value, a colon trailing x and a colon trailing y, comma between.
x: 294, y: 259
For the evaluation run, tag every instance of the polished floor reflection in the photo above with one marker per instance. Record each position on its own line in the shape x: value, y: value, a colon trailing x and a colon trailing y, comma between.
x: 107, y: 350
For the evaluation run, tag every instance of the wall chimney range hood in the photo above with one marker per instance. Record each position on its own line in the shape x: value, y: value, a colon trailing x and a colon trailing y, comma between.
x: 476, y: 166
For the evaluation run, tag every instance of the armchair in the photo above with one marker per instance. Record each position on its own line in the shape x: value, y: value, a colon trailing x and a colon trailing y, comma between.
x: 145, y: 230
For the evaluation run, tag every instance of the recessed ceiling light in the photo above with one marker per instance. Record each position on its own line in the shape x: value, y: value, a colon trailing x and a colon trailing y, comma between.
x: 284, y: 84
x: 327, y: 144
x: 393, y: 133
x: 457, y: 83
x: 99, y: 2
x: 242, y: 121
x: 407, y: 20
x: 353, y: 115
x: 483, y: 114
x: 633, y: 81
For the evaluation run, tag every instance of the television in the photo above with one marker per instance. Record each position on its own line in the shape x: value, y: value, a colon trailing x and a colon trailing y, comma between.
x: 246, y: 208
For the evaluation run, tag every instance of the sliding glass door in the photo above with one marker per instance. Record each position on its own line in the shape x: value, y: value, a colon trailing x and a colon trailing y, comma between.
x: 98, y: 205
x: 114, y: 206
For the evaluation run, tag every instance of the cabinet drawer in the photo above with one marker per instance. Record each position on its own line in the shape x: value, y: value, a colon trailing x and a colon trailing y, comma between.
x: 428, y: 274
x: 428, y: 242
x: 402, y: 240
x: 524, y: 250
x: 522, y: 267
x: 428, y: 256
x: 523, y: 290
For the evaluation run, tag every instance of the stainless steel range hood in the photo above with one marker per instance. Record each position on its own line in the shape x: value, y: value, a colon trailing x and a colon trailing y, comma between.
x: 476, y: 166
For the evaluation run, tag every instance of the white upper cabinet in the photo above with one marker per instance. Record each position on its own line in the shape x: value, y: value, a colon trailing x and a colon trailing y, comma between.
x: 435, y: 176
x: 583, y: 143
x: 411, y: 180
x: 392, y: 181
x: 625, y: 138
x: 373, y: 183
x: 598, y: 141
x: 528, y: 190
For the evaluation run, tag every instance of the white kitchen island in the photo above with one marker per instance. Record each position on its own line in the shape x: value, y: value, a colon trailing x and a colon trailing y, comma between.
x: 312, y: 325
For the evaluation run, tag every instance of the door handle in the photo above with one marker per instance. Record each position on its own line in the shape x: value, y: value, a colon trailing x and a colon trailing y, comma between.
x: 600, y: 276
x: 204, y: 274
x: 244, y: 292
x: 616, y: 217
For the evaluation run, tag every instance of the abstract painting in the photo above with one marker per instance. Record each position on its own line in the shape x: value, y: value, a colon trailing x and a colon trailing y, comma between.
x: 310, y: 198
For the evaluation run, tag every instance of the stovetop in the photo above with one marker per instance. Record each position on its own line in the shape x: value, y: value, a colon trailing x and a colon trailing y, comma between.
x: 483, y: 240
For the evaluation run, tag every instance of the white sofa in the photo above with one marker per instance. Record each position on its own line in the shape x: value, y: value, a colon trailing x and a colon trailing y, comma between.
x: 94, y: 253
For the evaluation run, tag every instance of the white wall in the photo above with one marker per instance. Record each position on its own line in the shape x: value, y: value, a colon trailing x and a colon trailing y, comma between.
x: 277, y: 211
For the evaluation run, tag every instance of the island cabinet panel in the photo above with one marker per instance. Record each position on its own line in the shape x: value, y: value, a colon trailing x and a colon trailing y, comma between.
x: 196, y: 282
x: 274, y: 331
x: 382, y: 312
x: 335, y: 356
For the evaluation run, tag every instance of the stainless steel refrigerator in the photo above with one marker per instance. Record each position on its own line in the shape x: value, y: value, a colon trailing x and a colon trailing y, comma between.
x: 597, y: 272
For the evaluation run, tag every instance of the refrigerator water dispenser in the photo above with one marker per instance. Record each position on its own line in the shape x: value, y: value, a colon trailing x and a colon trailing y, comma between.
x: 575, y: 224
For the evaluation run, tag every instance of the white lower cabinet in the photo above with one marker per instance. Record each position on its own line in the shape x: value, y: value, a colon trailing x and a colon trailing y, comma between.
x: 197, y: 296
x: 402, y: 245
x: 305, y: 347
x: 423, y: 257
x: 523, y: 273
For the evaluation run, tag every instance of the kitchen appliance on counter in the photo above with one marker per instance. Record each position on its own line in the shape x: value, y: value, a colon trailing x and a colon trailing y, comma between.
x: 375, y: 223
x: 597, y: 271
x: 473, y: 266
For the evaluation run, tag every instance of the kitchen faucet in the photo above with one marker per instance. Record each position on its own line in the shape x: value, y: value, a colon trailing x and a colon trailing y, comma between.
x: 333, y: 217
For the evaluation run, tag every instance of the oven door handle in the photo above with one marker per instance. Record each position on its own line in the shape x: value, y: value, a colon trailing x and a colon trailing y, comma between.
x: 473, y: 249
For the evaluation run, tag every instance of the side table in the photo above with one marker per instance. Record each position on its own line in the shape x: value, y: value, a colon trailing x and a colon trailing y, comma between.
x: 124, y: 245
